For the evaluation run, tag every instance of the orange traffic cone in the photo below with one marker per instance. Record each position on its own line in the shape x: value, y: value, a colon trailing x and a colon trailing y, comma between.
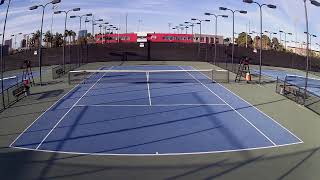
x: 248, y: 77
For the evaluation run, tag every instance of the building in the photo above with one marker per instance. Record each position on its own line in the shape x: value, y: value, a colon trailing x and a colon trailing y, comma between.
x: 143, y: 37
x: 205, y: 38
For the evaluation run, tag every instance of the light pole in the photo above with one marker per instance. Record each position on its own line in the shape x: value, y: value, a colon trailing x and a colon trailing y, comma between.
x: 174, y: 30
x: 2, y: 50
x: 285, y: 37
x: 216, y: 32
x: 191, y: 24
x: 53, y: 8
x: 64, y: 37
x: 233, y: 12
x: 181, y: 27
x: 80, y: 27
x: 186, y: 28
x: 311, y: 35
x: 200, y: 23
x: 169, y: 26
x: 315, y: 3
x: 80, y: 17
x: 27, y: 39
x: 270, y: 35
x: 310, y: 46
x: 104, y: 25
x: 271, y: 6
x: 93, y: 21
x: 40, y: 38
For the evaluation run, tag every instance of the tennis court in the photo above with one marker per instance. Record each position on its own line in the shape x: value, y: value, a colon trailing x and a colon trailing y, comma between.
x: 152, y: 110
x: 297, y: 79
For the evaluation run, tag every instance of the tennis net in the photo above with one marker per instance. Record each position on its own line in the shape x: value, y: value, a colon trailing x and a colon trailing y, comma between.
x: 148, y: 76
x: 9, y: 82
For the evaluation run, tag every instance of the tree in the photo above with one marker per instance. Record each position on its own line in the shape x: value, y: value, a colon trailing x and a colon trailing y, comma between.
x: 67, y: 36
x: 243, y: 38
x: 276, y: 45
x: 266, y: 42
x: 73, y: 36
x: 34, y: 40
x: 57, y: 40
x: 48, y: 37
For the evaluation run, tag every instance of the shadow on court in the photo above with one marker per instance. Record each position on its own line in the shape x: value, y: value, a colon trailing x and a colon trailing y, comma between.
x: 44, y: 166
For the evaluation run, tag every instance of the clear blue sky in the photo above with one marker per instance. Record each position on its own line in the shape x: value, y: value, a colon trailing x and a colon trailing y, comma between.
x: 156, y: 14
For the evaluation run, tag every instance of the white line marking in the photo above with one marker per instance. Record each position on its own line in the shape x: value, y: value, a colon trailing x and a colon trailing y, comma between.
x: 255, y: 108
x: 303, y: 77
x: 140, y: 71
x: 70, y: 110
x: 165, y: 154
x: 143, y: 105
x: 46, y: 111
x: 7, y: 78
x: 233, y: 109
x: 148, y: 84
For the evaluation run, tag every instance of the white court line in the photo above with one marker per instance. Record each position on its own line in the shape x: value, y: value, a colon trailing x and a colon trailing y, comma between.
x: 69, y: 111
x: 143, y: 105
x: 254, y: 108
x: 46, y: 112
x: 7, y: 78
x: 157, y: 154
x: 148, y: 84
x: 233, y: 109
x: 303, y: 77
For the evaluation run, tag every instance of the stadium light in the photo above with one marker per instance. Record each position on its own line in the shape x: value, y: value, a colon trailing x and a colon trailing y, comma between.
x: 285, y: 37
x: 191, y: 24
x: 233, y: 13
x: 64, y: 35
x: 315, y: 3
x: 2, y: 50
x: 270, y: 34
x: 216, y: 32
x: 85, y: 15
x: 200, y: 23
x: 271, y: 6
x: 40, y: 38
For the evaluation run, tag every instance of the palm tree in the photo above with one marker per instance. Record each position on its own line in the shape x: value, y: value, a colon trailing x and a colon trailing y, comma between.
x: 73, y: 35
x: 48, y: 38
x: 58, y: 40
x: 34, y: 40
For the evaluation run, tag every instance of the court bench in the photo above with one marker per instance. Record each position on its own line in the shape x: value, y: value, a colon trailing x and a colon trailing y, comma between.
x: 295, y: 91
x: 18, y: 91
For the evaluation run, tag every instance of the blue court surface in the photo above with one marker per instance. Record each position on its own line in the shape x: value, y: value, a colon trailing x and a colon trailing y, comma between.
x: 17, y: 78
x: 117, y: 114
x: 297, y: 79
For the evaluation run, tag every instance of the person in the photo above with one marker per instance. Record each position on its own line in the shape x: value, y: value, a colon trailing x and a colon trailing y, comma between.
x: 26, y: 84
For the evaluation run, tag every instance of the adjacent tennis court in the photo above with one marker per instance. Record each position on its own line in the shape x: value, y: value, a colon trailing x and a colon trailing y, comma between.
x: 152, y: 110
x: 297, y: 79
